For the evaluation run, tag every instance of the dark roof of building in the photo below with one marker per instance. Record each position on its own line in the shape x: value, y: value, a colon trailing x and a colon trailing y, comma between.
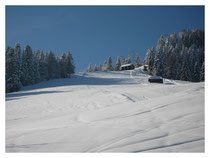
x: 155, y: 77
x: 125, y: 65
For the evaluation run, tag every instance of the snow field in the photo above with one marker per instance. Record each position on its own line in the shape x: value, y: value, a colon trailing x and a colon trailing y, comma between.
x: 106, y: 112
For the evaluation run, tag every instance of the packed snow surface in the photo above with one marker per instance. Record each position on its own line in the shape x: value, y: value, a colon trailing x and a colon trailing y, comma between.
x: 106, y: 112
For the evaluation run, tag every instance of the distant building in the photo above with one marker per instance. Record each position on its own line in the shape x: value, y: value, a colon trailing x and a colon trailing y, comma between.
x: 127, y: 67
x: 155, y: 79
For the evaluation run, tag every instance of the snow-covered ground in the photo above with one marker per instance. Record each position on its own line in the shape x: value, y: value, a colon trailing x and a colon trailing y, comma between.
x: 106, y: 112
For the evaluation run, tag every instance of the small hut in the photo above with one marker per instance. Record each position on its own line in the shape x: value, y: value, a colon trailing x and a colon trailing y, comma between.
x: 155, y: 79
x: 127, y: 67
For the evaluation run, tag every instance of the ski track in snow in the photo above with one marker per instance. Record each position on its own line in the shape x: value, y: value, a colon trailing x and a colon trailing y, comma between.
x: 106, y: 112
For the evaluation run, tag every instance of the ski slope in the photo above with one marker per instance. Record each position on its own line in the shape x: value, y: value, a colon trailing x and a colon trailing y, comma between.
x: 106, y: 112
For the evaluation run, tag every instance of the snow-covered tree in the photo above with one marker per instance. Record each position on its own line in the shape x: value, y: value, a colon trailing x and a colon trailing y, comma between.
x: 138, y: 61
x: 122, y: 60
x: 27, y: 67
x: 149, y: 59
x: 63, y: 66
x: 19, y: 58
x: 12, y: 71
x: 202, y: 72
x: 43, y: 69
x: 58, y: 60
x: 99, y: 67
x: 196, y: 72
x: 177, y: 57
x: 90, y: 68
x: 109, y: 64
x: 127, y: 61
x: 70, y: 64
x: 118, y: 64
x: 95, y: 67
x: 130, y: 57
x: 36, y: 67
x: 52, y: 66
x: 105, y: 66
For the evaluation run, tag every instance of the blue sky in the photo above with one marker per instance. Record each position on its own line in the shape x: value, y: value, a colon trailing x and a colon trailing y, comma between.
x: 93, y: 33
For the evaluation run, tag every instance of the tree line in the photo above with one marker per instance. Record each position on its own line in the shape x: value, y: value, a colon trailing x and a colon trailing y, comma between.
x: 28, y: 67
x: 109, y: 66
x: 179, y: 57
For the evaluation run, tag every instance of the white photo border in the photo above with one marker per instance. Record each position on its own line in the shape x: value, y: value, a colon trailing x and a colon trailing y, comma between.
x: 3, y: 5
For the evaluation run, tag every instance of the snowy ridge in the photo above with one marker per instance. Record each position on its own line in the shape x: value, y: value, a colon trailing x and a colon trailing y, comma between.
x: 106, y: 112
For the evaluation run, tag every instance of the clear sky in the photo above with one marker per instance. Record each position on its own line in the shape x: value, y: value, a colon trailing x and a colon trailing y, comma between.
x: 93, y: 33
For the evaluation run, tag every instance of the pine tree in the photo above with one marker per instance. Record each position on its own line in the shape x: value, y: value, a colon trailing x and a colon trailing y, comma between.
x: 89, y: 68
x: 138, y: 62
x: 127, y: 61
x: 36, y: 68
x: 202, y: 72
x: 109, y: 64
x: 52, y: 63
x: 170, y: 66
x: 149, y: 60
x: 19, y: 58
x: 185, y: 69
x: 58, y: 60
x: 63, y: 66
x: 27, y: 67
x: 122, y: 60
x: 95, y: 67
x: 70, y: 64
x: 12, y: 71
x: 118, y: 64
x: 105, y: 66
x: 99, y: 67
x: 196, y: 73
x: 43, y: 69
x: 130, y: 57
x: 158, y: 64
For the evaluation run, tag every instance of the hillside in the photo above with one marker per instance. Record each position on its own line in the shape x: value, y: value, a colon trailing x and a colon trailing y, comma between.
x: 106, y: 112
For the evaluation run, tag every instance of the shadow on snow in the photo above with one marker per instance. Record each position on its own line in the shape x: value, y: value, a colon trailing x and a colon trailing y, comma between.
x: 74, y: 80
x: 23, y: 94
